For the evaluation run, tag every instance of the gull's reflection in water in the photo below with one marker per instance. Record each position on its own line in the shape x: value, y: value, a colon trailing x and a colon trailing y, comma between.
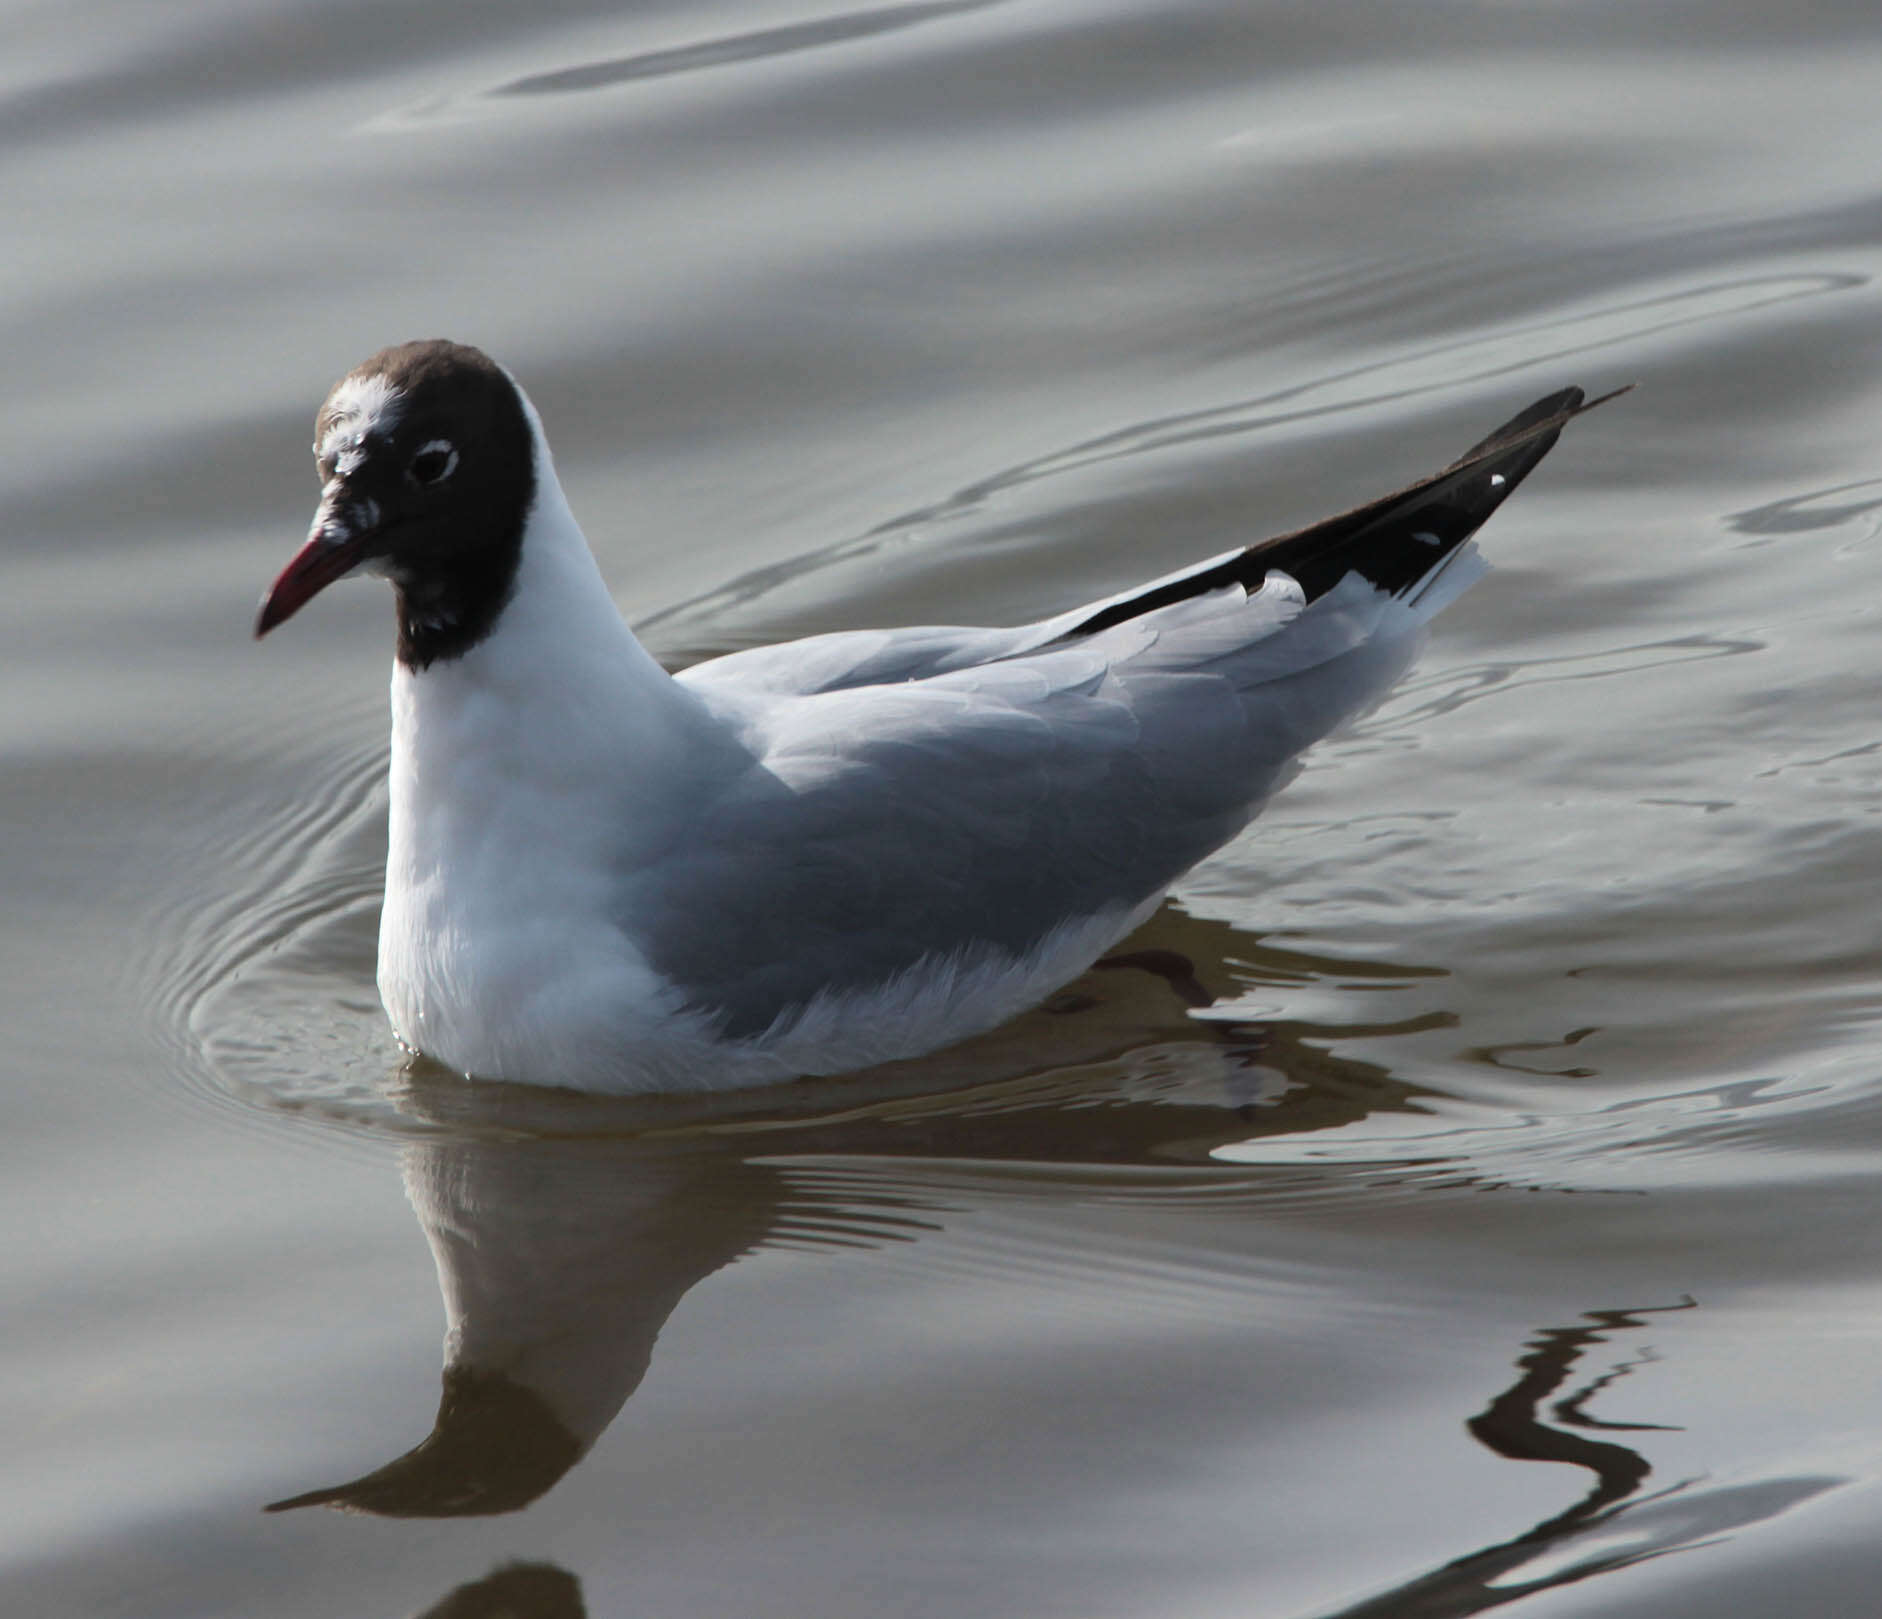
x: 566, y: 1227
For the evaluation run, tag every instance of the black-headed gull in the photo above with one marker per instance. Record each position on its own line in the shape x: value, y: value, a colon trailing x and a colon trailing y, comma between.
x: 819, y: 856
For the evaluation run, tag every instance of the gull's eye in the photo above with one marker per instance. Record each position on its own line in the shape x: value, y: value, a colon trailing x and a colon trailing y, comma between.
x: 434, y: 463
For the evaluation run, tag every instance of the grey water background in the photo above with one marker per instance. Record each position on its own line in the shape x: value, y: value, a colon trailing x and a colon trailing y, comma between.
x: 1467, y: 1199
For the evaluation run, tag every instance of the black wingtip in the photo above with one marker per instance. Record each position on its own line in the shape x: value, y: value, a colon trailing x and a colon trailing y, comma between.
x: 1393, y: 541
x: 1548, y: 415
x: 1551, y: 411
x: 1400, y: 538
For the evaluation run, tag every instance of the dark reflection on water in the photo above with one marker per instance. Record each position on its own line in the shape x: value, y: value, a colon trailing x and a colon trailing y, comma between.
x: 1611, y: 1527
x: 1511, y: 1427
x: 516, y: 1591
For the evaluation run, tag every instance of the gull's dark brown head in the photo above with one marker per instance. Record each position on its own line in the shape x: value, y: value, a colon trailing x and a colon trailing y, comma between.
x: 427, y: 469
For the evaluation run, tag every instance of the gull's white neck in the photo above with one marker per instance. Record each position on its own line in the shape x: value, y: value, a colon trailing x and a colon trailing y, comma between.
x: 529, y: 777
x: 560, y: 697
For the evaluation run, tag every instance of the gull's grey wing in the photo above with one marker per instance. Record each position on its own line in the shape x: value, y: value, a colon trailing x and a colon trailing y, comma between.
x: 978, y: 811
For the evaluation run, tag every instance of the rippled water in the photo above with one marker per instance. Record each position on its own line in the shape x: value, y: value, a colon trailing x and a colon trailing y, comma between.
x: 1463, y: 1195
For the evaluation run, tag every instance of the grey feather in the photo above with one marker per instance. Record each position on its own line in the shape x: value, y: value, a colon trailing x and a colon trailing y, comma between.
x: 932, y: 793
x: 880, y: 825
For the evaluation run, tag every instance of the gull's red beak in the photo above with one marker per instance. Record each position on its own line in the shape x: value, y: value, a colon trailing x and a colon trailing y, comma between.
x: 332, y: 552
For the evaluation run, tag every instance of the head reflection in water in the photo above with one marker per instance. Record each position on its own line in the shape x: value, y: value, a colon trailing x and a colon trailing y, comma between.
x: 559, y: 1262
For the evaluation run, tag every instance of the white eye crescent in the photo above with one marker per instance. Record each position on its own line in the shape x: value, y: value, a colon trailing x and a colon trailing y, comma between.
x: 434, y: 463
